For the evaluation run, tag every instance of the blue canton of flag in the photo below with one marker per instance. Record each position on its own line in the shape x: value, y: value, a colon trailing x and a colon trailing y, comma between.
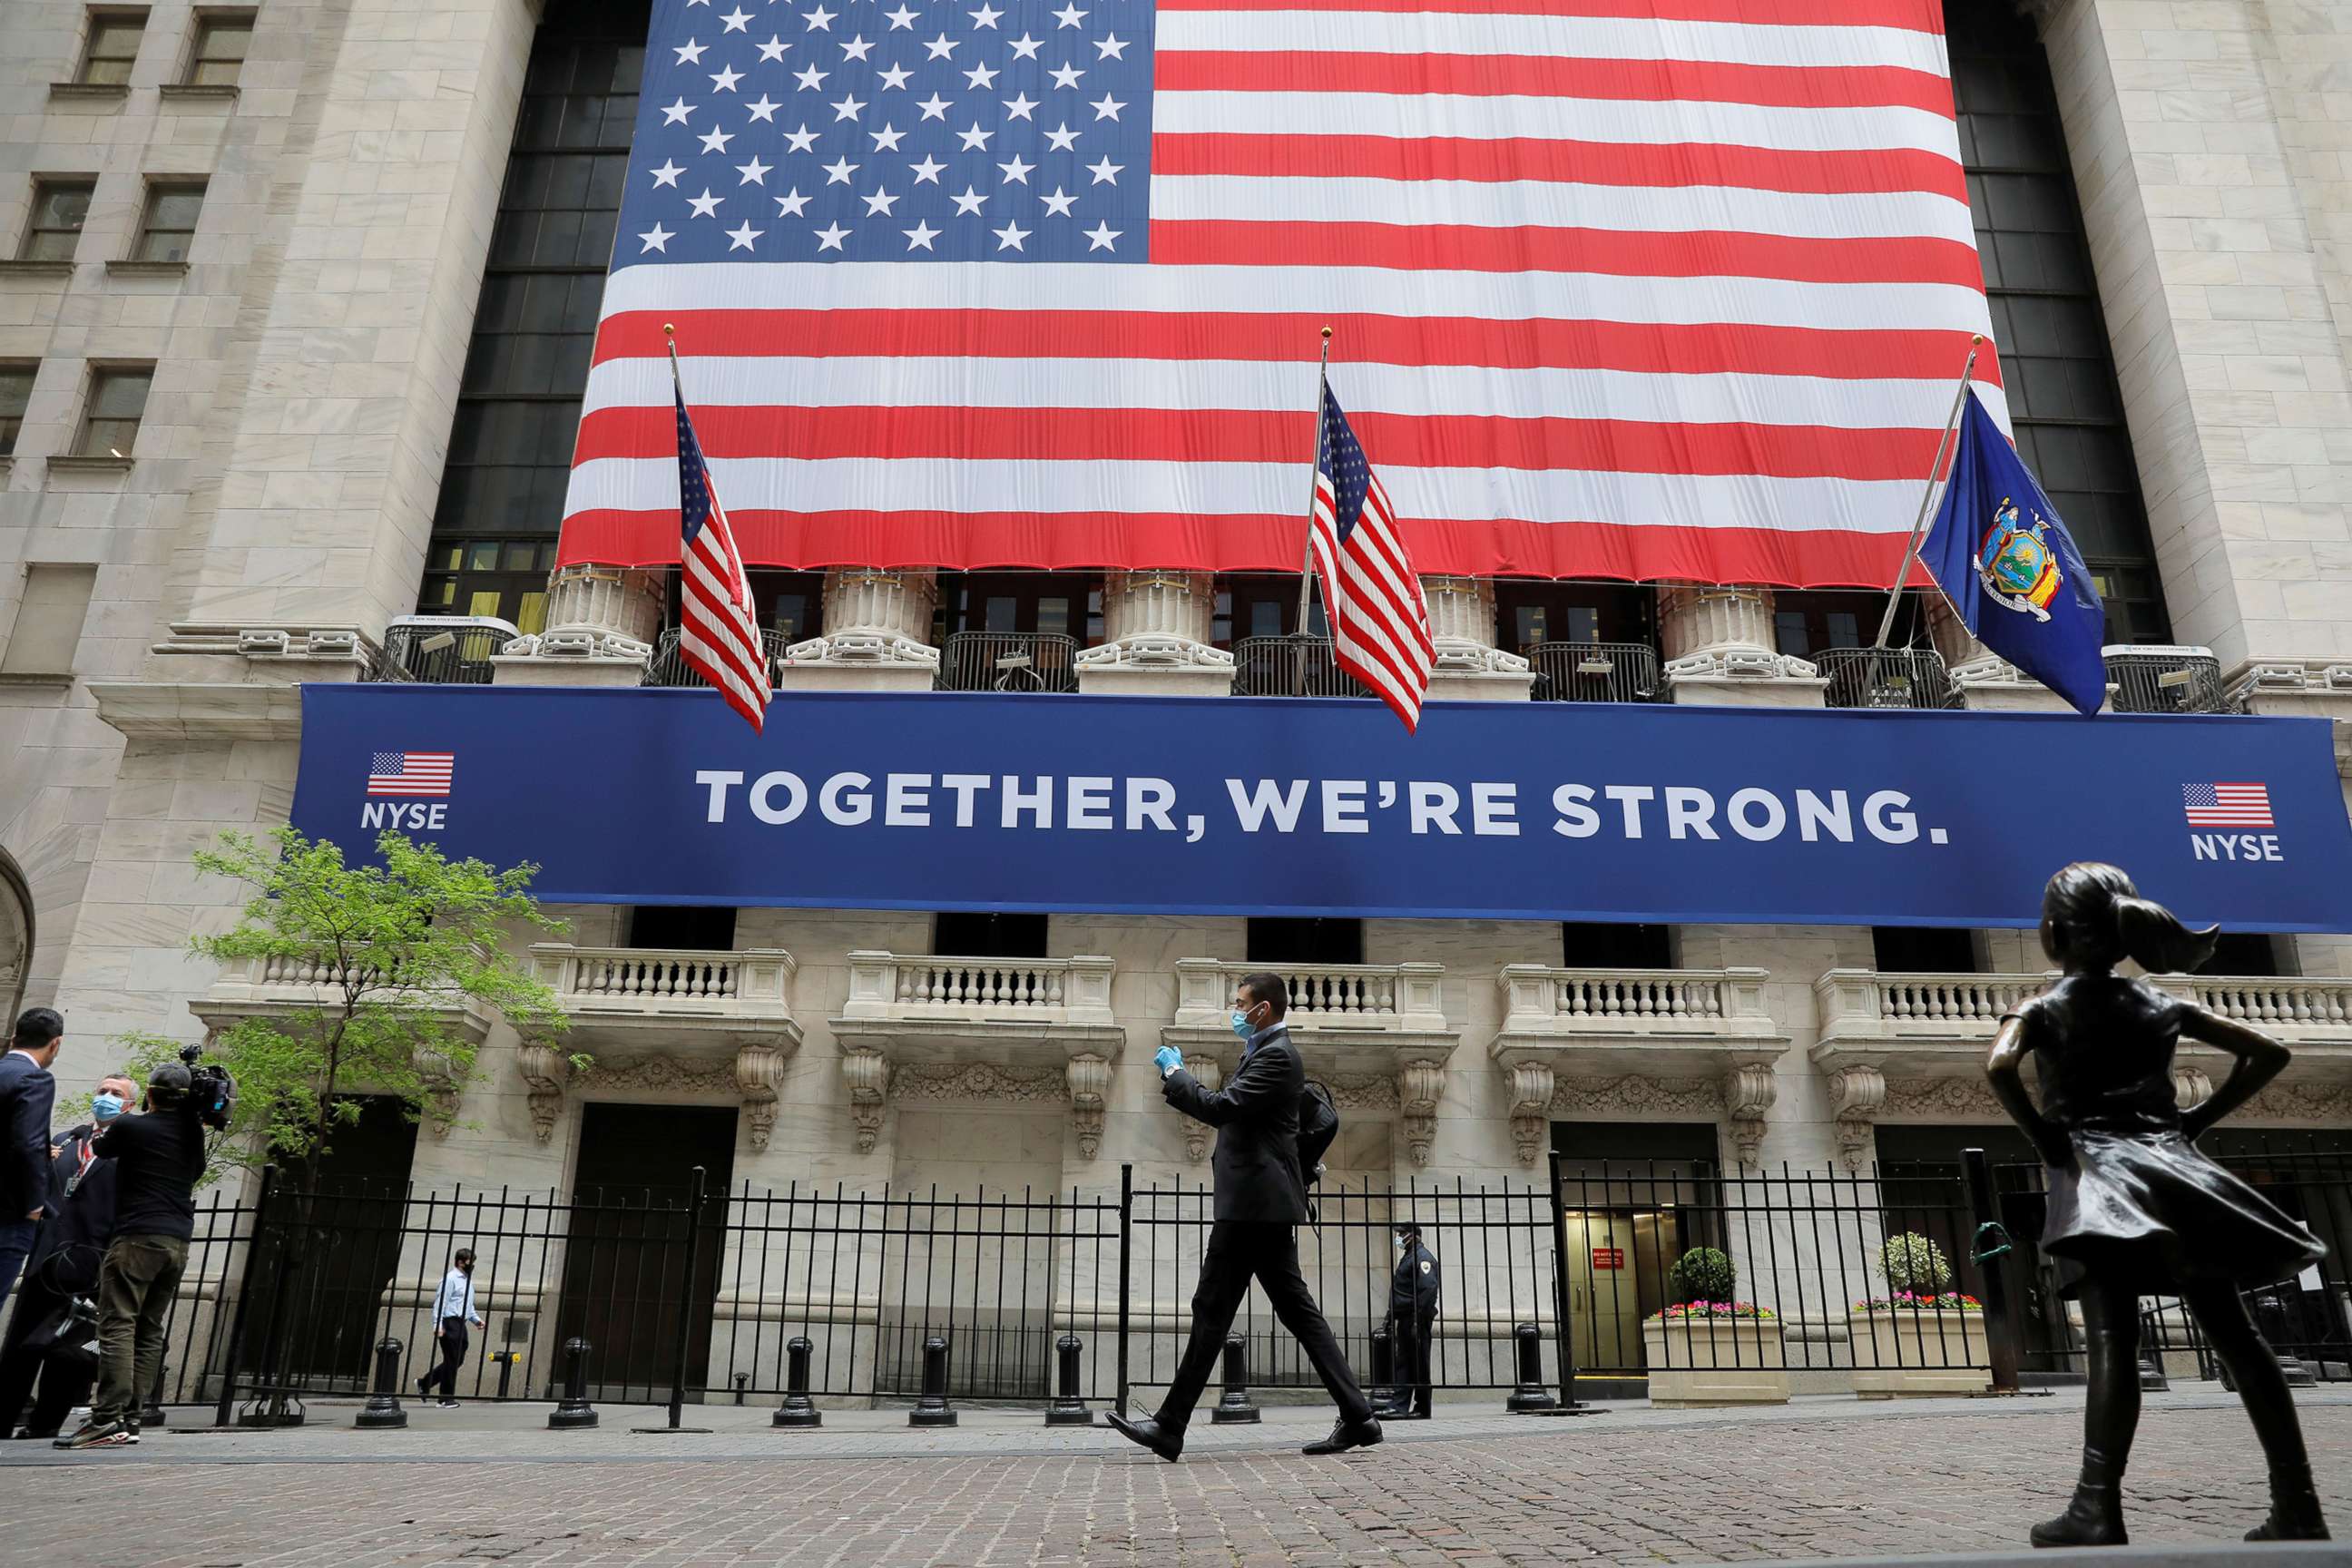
x: 944, y: 131
x: 1343, y: 465
x: 2011, y: 570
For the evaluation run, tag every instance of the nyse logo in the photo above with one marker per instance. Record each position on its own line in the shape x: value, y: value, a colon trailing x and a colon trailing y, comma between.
x: 2240, y: 805
x: 409, y: 791
x: 406, y: 816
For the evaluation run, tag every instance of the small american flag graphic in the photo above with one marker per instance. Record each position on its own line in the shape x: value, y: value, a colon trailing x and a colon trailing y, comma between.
x: 411, y: 772
x: 2227, y: 805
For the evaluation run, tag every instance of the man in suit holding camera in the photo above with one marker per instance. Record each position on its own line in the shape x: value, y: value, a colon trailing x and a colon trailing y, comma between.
x: 1261, y: 1199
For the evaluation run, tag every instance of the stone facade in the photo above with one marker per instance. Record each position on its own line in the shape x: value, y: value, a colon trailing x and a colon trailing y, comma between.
x: 274, y: 514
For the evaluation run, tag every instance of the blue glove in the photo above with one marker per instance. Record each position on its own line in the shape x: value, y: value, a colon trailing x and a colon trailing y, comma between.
x: 1167, y: 1059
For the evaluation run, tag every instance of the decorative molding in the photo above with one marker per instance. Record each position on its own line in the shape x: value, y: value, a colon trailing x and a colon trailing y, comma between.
x: 757, y: 1068
x: 1637, y: 1095
x: 661, y: 1073
x: 1419, y: 1087
x: 1748, y: 1091
x: 442, y: 1088
x: 202, y: 711
x: 543, y: 1068
x: 867, y: 1075
x: 933, y: 1082
x: 1362, y: 1091
x: 2325, y: 1104
x: 1090, y: 1079
x: 1969, y: 1099
x: 1858, y: 1094
x: 1210, y: 1076
x: 2190, y: 1088
x: 1532, y: 1085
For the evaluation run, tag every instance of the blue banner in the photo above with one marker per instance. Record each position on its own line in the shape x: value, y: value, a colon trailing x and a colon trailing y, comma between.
x: 1170, y: 806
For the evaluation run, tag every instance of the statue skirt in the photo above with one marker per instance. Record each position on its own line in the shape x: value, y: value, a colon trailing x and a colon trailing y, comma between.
x: 2148, y: 1212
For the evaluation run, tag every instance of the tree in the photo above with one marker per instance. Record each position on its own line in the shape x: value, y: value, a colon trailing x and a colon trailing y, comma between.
x: 399, y: 953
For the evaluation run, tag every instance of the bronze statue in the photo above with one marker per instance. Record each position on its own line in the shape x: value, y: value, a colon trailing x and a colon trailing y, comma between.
x: 2135, y: 1209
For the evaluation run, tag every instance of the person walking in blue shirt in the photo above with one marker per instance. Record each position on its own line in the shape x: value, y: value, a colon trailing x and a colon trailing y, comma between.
x: 453, y: 1310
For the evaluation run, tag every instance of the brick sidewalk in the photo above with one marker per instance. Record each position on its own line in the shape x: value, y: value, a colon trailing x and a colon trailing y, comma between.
x: 1820, y: 1478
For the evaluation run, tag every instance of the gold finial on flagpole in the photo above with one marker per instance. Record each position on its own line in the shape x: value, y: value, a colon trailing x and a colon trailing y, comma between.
x: 1975, y: 338
x: 1326, y: 334
x: 670, y: 331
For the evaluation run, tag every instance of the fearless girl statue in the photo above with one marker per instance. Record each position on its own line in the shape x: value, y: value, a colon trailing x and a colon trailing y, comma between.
x: 2135, y: 1209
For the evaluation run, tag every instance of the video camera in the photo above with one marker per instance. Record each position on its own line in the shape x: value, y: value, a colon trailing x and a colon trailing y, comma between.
x: 212, y: 1093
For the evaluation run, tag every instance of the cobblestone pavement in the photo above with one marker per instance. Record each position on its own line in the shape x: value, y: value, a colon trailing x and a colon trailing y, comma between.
x: 1818, y: 1479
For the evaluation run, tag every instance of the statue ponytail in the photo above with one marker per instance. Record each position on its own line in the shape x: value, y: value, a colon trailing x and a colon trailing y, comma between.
x: 2092, y: 916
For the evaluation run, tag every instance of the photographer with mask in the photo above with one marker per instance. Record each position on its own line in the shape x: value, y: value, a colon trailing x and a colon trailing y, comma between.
x: 46, y: 1339
x: 159, y: 1158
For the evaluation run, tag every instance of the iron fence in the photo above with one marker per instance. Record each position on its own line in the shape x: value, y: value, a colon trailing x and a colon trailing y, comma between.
x: 1853, y: 1278
x: 1886, y: 677
x: 2166, y: 680
x: 1595, y: 672
x: 668, y: 667
x: 1290, y: 667
x: 1009, y: 661
x: 442, y: 650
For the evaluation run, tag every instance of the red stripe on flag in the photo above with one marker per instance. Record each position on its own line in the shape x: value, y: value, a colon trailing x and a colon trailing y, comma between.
x: 1536, y: 76
x: 1908, y: 15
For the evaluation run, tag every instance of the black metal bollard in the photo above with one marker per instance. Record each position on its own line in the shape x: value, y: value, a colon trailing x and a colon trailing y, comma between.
x: 1234, y: 1407
x: 574, y: 1411
x: 382, y: 1409
x: 1384, y: 1387
x: 1530, y: 1395
x: 506, y: 1360
x: 797, y: 1410
x: 933, y: 1409
x: 1065, y: 1408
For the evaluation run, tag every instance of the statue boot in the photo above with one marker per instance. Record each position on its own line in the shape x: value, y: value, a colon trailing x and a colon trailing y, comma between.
x: 2096, y: 1516
x: 2295, y: 1510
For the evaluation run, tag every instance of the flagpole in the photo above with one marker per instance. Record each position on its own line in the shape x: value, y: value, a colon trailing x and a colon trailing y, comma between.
x: 670, y: 334
x: 1927, y: 497
x: 1314, y: 469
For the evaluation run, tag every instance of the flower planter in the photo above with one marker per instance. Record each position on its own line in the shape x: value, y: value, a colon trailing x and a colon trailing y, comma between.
x: 1717, y: 1361
x: 1918, y: 1353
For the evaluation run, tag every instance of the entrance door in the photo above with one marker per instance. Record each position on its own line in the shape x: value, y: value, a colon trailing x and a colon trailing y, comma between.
x: 1617, y: 1265
x: 625, y: 1288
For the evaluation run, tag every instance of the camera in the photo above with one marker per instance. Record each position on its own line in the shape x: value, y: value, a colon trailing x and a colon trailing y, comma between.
x: 212, y: 1093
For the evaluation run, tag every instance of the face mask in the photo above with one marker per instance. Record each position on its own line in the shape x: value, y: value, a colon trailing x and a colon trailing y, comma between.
x: 1241, y: 1026
x: 105, y: 1107
x: 1403, y: 1242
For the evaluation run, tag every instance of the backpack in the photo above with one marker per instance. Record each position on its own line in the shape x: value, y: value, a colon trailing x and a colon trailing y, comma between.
x: 1318, y: 1126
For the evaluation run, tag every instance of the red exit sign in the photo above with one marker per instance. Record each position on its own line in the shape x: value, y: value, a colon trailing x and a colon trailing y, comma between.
x: 1608, y: 1257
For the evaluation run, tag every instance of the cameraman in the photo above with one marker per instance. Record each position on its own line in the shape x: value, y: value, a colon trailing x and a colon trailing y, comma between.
x: 159, y: 1158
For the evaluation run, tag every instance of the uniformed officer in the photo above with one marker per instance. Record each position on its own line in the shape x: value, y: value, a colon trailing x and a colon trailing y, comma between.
x: 1412, y: 1313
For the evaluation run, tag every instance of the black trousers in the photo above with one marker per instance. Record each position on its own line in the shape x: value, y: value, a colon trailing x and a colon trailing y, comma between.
x: 65, y: 1380
x: 1238, y: 1252
x: 453, y: 1355
x: 1410, y: 1335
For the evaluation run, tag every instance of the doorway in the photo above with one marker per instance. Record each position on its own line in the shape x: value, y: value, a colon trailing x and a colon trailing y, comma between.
x: 1636, y: 1197
x: 626, y: 1288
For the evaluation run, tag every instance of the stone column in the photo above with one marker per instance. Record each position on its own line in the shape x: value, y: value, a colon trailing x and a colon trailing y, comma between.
x: 876, y: 630
x: 1470, y: 667
x: 1720, y: 650
x: 601, y: 621
x: 1987, y: 683
x: 1157, y: 626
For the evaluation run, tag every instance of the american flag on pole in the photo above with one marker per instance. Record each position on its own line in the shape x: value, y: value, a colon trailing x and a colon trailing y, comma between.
x: 2227, y: 805
x: 1642, y: 288
x: 1379, y: 622
x: 718, y: 636
x: 411, y: 772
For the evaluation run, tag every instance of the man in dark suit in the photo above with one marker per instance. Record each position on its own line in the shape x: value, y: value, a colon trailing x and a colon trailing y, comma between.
x: 27, y: 1096
x: 1261, y: 1199
x: 1412, y: 1318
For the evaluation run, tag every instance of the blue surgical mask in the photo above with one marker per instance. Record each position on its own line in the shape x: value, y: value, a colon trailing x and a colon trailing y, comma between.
x: 1241, y: 1026
x: 105, y: 1107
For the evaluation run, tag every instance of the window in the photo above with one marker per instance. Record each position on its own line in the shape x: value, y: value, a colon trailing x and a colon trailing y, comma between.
x: 170, y: 220
x: 1260, y: 606
x: 987, y: 933
x: 48, y: 620
x: 221, y: 40
x: 790, y: 604
x: 1923, y: 950
x: 1526, y: 614
x: 59, y: 209
x: 1042, y: 602
x: 1315, y: 940
x: 692, y: 928
x: 2244, y: 953
x: 113, y: 44
x: 1584, y: 946
x: 2057, y: 367
x: 502, y: 577
x: 118, y: 397
x: 1806, y: 622
x: 535, y: 327
x: 15, y: 394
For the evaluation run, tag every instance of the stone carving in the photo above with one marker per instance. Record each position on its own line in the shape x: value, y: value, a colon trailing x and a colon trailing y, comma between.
x: 441, y: 1087
x: 976, y: 1080
x: 1362, y: 1091
x: 543, y: 1068
x: 868, y: 1073
x: 757, y: 1067
x: 1968, y: 1098
x: 2309, y: 1104
x: 1419, y: 1087
x: 1211, y: 1077
x: 1748, y: 1091
x: 2190, y: 1088
x: 1531, y: 1091
x: 1089, y: 1077
x: 663, y: 1073
x: 1635, y: 1095
x: 1858, y: 1094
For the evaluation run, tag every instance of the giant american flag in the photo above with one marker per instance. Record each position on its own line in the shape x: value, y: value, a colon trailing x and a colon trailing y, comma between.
x: 1645, y: 288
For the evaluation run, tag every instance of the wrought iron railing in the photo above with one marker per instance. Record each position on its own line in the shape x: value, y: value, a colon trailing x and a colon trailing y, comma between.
x: 1595, y: 672
x: 2166, y: 680
x: 1886, y: 677
x: 442, y: 650
x: 1009, y: 661
x: 668, y: 667
x: 1290, y: 667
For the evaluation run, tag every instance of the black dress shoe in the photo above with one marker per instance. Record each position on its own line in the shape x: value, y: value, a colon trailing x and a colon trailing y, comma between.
x: 1166, y: 1442
x: 1346, y: 1434
x: 2094, y: 1518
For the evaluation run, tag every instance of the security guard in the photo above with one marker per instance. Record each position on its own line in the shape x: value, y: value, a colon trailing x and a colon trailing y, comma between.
x: 1412, y: 1313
